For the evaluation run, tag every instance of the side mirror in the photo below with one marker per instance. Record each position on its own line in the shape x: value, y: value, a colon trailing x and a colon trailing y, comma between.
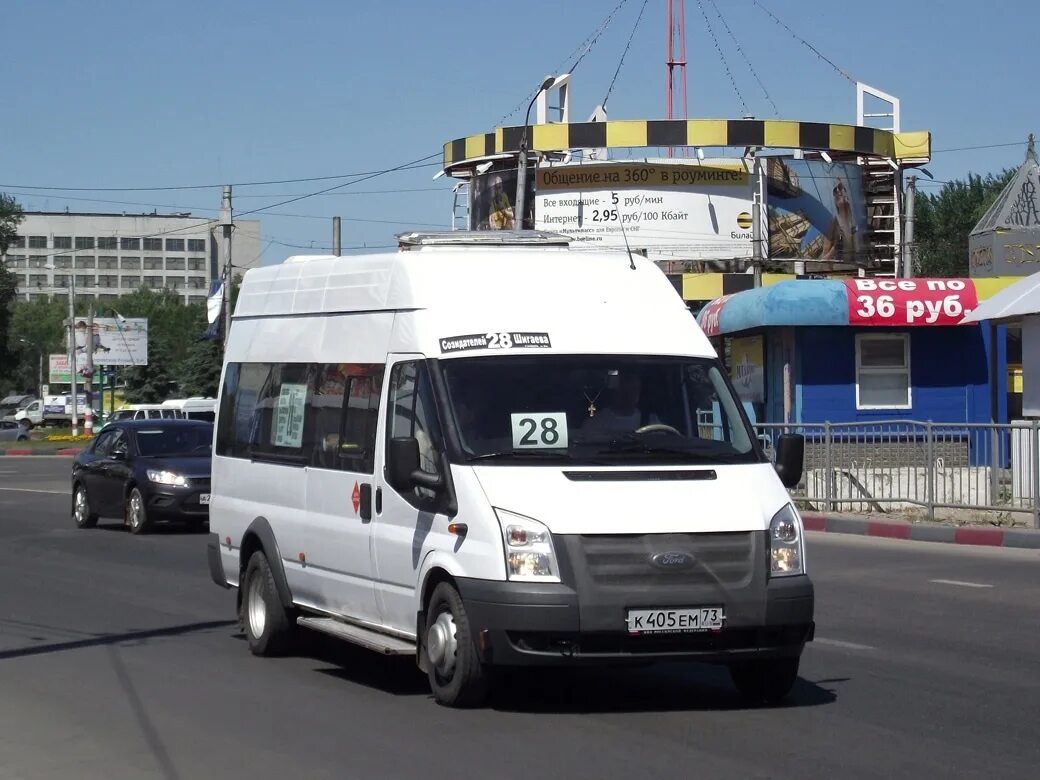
x: 404, y: 466
x: 118, y: 454
x: 790, y: 458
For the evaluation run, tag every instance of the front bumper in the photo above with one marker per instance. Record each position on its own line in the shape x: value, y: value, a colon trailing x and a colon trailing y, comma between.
x: 177, y: 504
x: 519, y: 624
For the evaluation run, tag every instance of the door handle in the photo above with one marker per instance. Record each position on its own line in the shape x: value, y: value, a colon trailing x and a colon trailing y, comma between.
x: 379, y: 501
x: 365, y: 505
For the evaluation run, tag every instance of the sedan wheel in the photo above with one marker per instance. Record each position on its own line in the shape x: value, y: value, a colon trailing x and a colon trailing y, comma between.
x: 136, y: 514
x: 81, y: 509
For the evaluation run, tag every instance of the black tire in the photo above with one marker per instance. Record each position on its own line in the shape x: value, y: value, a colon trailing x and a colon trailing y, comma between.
x: 765, y: 680
x: 466, y: 683
x: 136, y: 513
x: 273, y: 633
x: 83, y: 517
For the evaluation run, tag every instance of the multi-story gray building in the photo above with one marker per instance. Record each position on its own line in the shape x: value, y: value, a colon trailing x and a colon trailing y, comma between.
x: 107, y: 255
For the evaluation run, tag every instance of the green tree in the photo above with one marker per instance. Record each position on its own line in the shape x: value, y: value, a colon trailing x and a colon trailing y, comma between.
x: 36, y: 328
x: 944, y: 220
x: 200, y: 371
x: 10, y: 218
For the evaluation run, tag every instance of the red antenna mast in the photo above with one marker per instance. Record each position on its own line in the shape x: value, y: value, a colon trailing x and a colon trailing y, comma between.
x: 676, y: 46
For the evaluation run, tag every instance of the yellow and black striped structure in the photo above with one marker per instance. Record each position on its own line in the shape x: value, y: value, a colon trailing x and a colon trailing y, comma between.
x: 912, y: 148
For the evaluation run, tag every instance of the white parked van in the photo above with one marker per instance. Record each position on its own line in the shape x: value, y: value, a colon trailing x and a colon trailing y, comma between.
x: 512, y: 454
x: 194, y: 408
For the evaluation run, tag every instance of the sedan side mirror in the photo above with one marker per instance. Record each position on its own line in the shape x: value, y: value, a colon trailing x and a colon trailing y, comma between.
x: 404, y: 466
x: 118, y: 455
x: 790, y: 458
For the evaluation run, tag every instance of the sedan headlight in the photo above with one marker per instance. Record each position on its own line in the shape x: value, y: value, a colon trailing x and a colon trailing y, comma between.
x: 164, y: 477
x: 529, y: 549
x: 786, y: 550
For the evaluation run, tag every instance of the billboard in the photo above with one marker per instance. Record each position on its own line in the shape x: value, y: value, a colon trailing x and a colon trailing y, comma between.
x: 115, y: 342
x: 747, y: 368
x: 817, y: 211
x: 59, y: 373
x: 909, y: 302
x: 493, y: 198
x: 702, y: 209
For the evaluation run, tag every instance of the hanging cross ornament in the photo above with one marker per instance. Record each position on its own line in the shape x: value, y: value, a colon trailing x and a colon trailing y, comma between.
x: 592, y: 402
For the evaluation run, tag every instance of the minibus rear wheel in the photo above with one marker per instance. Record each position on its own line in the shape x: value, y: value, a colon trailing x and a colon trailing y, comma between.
x: 765, y: 680
x: 267, y: 625
x: 457, y: 677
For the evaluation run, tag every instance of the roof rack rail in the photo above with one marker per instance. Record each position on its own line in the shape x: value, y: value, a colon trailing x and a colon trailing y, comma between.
x: 418, y: 239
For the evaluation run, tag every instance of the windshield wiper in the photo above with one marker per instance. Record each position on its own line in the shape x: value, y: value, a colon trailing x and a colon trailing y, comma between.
x: 695, y: 449
x: 520, y: 454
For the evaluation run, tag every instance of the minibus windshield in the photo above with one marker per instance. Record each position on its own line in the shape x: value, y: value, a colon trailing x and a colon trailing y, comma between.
x: 595, y: 409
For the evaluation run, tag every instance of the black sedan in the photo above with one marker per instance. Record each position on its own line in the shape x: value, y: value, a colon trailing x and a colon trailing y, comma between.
x: 144, y: 471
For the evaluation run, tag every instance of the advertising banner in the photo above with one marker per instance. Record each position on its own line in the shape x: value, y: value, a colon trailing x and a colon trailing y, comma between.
x: 704, y: 210
x: 115, y: 342
x: 59, y: 373
x: 710, y: 315
x: 909, y: 302
x: 747, y: 368
x: 493, y: 198
x: 817, y: 210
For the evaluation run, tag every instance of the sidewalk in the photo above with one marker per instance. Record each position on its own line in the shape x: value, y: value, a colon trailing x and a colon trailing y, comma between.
x: 893, y: 528
x: 56, y: 450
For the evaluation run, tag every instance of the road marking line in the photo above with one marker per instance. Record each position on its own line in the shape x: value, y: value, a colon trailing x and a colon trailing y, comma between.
x: 840, y: 643
x: 961, y: 583
x: 33, y: 490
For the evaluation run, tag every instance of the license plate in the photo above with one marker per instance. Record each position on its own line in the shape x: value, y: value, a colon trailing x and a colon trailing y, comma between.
x: 204, y: 498
x: 675, y: 621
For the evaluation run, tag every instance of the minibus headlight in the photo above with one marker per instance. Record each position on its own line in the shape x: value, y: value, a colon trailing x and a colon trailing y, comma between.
x: 164, y: 477
x: 528, y: 547
x: 786, y: 551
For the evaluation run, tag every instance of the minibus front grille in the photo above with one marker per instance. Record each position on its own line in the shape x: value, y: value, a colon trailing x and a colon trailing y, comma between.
x: 726, y: 559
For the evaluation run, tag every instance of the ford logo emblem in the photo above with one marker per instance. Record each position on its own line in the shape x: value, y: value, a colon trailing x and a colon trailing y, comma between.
x: 671, y: 560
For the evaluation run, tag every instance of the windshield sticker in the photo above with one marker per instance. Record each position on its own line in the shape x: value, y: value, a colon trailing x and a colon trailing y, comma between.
x: 500, y: 340
x: 539, y: 430
x: 287, y: 430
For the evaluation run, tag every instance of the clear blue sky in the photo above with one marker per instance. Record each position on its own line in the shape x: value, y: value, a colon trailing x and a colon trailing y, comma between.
x: 127, y: 93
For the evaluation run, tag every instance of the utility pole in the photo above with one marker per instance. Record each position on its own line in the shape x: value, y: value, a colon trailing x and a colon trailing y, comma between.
x: 227, y: 223
x: 72, y: 350
x: 88, y: 374
x: 521, y: 171
x: 336, y: 236
x: 756, y: 223
x: 908, y: 229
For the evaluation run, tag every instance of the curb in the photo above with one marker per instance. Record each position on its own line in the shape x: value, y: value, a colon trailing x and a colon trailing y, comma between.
x: 984, y: 536
x: 71, y: 452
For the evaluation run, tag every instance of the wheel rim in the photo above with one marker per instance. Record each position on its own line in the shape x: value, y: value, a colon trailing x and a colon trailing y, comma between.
x: 136, y: 510
x: 256, y: 609
x: 81, y: 505
x: 441, y: 644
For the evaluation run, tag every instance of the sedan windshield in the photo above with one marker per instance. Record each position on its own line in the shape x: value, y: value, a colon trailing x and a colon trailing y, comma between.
x: 595, y: 410
x: 174, y: 441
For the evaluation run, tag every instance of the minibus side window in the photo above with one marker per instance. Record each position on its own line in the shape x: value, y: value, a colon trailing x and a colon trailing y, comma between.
x: 412, y: 413
x: 343, y: 411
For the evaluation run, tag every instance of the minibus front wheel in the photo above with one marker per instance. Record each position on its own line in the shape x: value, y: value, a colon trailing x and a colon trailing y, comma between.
x: 457, y: 677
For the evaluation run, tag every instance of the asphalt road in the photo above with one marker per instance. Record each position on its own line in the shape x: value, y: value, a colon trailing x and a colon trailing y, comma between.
x: 120, y: 659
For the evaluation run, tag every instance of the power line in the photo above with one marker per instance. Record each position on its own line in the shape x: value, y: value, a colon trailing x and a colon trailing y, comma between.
x: 584, y: 48
x: 984, y: 146
x: 725, y: 63
x: 804, y: 42
x: 212, y: 186
x: 776, y: 111
x: 624, y: 53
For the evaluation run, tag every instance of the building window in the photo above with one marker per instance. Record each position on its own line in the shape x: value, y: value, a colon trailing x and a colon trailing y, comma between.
x: 63, y: 242
x: 131, y: 282
x: 37, y: 261
x: 195, y: 300
x: 84, y: 261
x: 175, y: 245
x: 130, y: 243
x: 153, y: 282
x: 106, y: 242
x: 107, y: 281
x: 175, y: 283
x: 153, y: 264
x: 130, y: 263
x: 17, y: 242
x: 85, y: 280
x: 21, y: 279
x: 196, y: 264
x: 61, y: 281
x: 38, y: 280
x: 37, y: 242
x: 174, y: 264
x: 108, y: 297
x: 196, y: 283
x: 153, y: 245
x: 883, y: 371
x: 64, y: 261
x: 107, y: 261
x: 196, y: 245
x: 16, y: 261
x: 84, y: 242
